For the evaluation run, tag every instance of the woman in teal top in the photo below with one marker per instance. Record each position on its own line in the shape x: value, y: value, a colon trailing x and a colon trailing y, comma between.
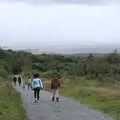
x: 37, y: 85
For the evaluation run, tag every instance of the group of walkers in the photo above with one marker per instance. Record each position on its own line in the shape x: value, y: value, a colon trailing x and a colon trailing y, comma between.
x: 17, y: 79
x: 35, y: 83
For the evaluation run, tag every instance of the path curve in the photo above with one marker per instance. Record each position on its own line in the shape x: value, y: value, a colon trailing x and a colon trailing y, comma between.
x: 66, y: 110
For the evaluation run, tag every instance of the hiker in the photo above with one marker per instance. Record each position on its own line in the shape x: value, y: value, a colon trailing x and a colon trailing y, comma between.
x: 14, y: 80
x: 29, y: 82
x: 25, y: 80
x: 24, y: 84
x: 19, y: 80
x: 55, y: 85
x: 37, y: 85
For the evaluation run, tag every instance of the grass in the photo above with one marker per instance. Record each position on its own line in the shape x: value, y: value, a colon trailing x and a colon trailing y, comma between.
x: 104, y: 96
x: 10, y: 104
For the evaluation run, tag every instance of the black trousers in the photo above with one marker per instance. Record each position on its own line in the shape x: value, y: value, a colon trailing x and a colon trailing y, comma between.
x: 14, y: 82
x: 37, y: 93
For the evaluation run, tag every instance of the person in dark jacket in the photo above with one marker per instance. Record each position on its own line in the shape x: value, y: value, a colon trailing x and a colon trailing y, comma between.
x: 19, y: 81
x: 14, y: 80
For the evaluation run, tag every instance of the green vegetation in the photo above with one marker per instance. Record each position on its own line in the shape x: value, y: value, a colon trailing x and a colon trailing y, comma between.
x: 105, y: 97
x: 92, y: 80
x: 10, y: 104
x: 102, y: 96
x: 10, y: 101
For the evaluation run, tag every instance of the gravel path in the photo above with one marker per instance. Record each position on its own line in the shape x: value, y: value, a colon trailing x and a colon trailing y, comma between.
x: 65, y: 110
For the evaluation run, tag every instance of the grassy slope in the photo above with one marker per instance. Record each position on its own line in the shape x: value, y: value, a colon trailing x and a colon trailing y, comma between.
x: 10, y: 107
x: 100, y: 96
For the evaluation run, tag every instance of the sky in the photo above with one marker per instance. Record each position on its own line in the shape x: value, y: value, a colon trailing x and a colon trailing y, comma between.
x: 60, y: 25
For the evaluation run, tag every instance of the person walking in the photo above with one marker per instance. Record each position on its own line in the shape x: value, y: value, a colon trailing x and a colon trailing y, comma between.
x: 29, y: 82
x: 14, y: 80
x: 24, y: 84
x: 19, y: 81
x: 55, y: 85
x: 37, y: 85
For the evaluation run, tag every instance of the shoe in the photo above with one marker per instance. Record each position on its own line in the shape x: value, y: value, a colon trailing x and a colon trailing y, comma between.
x: 57, y: 99
x: 35, y: 101
x: 38, y: 101
x: 53, y: 99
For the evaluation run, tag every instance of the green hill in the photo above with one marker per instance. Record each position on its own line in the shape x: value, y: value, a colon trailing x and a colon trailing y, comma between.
x: 94, y: 79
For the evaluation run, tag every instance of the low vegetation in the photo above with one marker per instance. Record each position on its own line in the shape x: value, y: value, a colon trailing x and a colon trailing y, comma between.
x: 10, y: 103
x: 104, y: 97
x: 92, y: 79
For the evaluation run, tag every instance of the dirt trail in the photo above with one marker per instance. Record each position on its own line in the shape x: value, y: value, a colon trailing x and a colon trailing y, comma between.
x: 65, y: 110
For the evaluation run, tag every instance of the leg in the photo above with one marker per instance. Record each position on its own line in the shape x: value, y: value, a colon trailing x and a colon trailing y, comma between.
x: 19, y: 83
x: 23, y: 85
x: 38, y: 93
x: 57, y: 95
x: 28, y: 86
x: 53, y: 97
x: 14, y: 82
x: 35, y: 93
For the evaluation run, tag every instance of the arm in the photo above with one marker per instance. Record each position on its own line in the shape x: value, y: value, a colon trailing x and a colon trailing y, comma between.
x: 32, y: 83
x: 51, y: 84
x: 41, y: 83
x: 59, y: 82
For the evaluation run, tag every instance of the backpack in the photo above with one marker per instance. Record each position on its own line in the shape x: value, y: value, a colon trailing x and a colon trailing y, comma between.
x: 55, y: 84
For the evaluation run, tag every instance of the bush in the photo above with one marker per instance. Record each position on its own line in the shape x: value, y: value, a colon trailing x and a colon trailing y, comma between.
x: 3, y: 73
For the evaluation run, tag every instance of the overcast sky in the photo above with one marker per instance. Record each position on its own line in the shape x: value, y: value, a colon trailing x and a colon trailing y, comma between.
x: 53, y: 26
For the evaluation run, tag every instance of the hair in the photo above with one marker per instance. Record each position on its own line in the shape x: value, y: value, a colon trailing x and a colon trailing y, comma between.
x: 29, y: 77
x: 36, y: 75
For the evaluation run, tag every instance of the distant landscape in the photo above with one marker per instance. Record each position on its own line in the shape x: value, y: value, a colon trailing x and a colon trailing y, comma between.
x: 94, y: 78
x: 72, y: 51
x: 77, y: 40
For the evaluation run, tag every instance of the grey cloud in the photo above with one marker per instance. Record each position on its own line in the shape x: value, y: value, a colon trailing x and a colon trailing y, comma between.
x: 88, y: 2
x: 59, y: 28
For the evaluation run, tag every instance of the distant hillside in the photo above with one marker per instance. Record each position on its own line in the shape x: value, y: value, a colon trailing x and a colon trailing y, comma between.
x: 84, y: 54
x: 76, y: 51
x: 37, y: 51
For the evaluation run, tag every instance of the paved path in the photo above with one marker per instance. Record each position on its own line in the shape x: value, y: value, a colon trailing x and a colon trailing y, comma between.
x: 65, y: 110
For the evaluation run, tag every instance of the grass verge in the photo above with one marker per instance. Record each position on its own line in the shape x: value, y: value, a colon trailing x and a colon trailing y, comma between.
x: 10, y: 104
x: 102, y: 96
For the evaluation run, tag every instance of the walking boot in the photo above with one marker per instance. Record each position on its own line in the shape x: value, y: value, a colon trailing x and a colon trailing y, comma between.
x: 57, y: 99
x: 53, y: 99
